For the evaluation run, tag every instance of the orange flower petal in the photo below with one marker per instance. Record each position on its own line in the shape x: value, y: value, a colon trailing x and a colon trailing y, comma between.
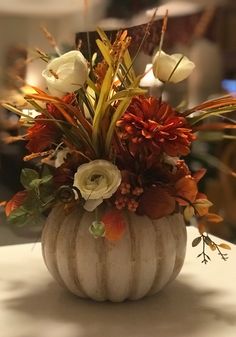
x: 114, y: 224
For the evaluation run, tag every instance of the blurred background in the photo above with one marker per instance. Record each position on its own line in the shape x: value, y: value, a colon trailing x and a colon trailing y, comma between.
x: 202, y: 30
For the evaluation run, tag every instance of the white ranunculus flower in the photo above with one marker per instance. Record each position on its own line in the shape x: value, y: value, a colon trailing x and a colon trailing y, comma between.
x: 66, y: 73
x: 164, y: 64
x: 97, y: 180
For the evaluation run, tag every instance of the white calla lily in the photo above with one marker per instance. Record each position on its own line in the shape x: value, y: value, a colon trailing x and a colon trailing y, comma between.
x: 66, y: 73
x: 171, y: 68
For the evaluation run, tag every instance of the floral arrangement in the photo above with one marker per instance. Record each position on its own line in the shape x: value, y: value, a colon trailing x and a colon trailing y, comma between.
x: 100, y: 139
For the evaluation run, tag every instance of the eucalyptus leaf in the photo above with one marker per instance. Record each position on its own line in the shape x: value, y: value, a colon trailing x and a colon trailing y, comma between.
x: 18, y: 216
x: 196, y: 241
x: 27, y: 176
x: 46, y: 179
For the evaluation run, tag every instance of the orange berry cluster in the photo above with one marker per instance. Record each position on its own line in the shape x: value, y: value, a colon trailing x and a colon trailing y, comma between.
x: 128, y: 197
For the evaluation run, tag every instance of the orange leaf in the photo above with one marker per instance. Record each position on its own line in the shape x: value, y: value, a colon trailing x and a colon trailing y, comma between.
x: 156, y: 203
x: 212, y: 217
x: 114, y: 224
x: 201, y: 228
x: 202, y: 206
x: 201, y: 196
x: 186, y: 188
x: 224, y: 246
x: 65, y: 114
x: 15, y: 202
x: 199, y: 174
x: 213, y: 247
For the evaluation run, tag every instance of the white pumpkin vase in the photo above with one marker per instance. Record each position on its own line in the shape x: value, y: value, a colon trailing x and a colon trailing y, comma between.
x: 148, y: 256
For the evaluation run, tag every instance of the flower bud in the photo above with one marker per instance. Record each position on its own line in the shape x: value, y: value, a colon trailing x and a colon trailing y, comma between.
x: 171, y: 68
x: 66, y: 73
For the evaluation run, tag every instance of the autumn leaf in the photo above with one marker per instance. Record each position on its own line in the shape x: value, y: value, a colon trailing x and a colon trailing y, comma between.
x: 114, y: 224
x: 156, y: 202
x: 199, y: 174
x: 224, y: 246
x: 186, y: 188
x: 189, y: 212
x: 15, y: 202
x: 211, y: 217
x: 196, y: 241
x: 202, y: 206
x: 202, y: 228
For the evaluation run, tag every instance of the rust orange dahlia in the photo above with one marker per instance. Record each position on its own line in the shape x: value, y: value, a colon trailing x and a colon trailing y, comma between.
x: 152, y: 125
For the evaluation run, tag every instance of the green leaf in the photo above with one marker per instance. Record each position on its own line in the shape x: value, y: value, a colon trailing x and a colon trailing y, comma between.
x: 99, y: 113
x: 117, y: 115
x: 46, y: 171
x: 105, y: 52
x: 130, y: 92
x: 35, y: 183
x: 196, y: 241
x: 211, y: 112
x: 46, y: 179
x: 97, y: 229
x: 104, y: 37
x: 27, y: 176
x: 207, y: 240
x: 19, y: 216
x: 43, y: 181
x: 128, y: 64
x: 92, y: 85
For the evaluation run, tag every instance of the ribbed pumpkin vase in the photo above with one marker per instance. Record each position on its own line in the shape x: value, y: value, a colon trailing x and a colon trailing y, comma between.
x: 148, y: 256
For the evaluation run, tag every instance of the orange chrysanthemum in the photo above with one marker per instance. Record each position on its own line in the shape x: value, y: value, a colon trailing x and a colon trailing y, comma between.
x: 155, y: 126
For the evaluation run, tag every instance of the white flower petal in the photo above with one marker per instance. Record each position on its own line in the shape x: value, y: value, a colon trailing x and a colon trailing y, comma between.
x: 164, y: 65
x: 91, y: 204
x: 61, y: 156
x: 96, y: 180
x: 66, y: 73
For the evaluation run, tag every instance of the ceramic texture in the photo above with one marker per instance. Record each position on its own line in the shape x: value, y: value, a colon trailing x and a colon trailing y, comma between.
x: 148, y: 257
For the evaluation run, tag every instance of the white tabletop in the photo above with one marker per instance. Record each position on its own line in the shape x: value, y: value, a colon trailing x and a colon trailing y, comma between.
x: 201, y: 302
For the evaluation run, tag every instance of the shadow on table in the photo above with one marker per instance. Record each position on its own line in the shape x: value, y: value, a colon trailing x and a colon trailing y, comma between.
x: 179, y: 309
